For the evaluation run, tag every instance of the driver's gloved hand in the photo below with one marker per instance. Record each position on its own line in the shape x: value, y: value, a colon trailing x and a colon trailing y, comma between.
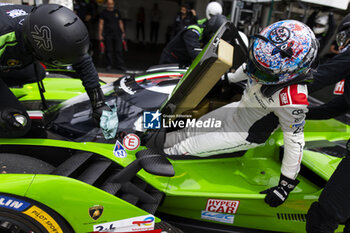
x: 97, y: 102
x: 10, y: 118
x: 275, y: 196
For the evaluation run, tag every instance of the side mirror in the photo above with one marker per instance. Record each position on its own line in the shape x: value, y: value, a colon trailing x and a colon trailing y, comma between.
x: 150, y: 161
x: 154, y: 163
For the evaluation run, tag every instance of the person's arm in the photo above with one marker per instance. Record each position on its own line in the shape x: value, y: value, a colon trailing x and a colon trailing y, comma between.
x: 191, y: 39
x: 291, y: 115
x: 333, y: 49
x: 334, y: 108
x: 87, y: 72
x: 331, y: 72
x: 237, y: 76
x: 100, y: 29
x: 121, y: 25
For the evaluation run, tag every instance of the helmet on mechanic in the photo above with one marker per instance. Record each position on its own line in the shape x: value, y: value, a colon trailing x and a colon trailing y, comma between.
x: 321, y: 24
x: 213, y: 8
x: 281, y: 52
x: 56, y: 35
x: 343, y: 32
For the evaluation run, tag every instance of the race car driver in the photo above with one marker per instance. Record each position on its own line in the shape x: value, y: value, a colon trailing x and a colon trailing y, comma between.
x: 186, y: 45
x: 51, y: 34
x: 279, y: 59
x: 335, y: 70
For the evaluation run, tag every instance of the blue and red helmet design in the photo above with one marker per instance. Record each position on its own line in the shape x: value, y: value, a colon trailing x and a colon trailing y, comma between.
x: 281, y: 52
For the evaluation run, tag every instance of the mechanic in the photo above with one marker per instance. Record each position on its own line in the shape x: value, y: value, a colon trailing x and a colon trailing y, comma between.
x: 333, y: 205
x: 213, y: 8
x: 323, y: 27
x: 52, y: 34
x: 279, y: 59
x: 336, y: 69
x: 186, y: 45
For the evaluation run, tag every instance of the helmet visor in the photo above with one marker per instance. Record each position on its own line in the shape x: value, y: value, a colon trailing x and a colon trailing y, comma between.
x: 260, y: 75
x: 341, y: 38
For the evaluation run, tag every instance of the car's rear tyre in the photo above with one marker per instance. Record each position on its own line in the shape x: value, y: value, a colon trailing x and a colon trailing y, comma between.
x: 23, y: 215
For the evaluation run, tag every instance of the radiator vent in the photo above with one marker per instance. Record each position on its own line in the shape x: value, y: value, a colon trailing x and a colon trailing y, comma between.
x: 291, y: 217
x: 100, y: 172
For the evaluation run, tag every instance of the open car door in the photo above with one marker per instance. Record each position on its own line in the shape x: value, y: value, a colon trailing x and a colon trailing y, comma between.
x: 205, y: 71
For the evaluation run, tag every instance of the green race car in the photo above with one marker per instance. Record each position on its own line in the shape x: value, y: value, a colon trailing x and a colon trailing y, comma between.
x: 64, y: 176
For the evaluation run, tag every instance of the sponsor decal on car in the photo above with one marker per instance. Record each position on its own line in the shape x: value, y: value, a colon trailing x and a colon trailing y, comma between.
x: 119, y: 150
x: 95, y: 212
x: 141, y: 223
x: 131, y: 141
x: 44, y: 219
x: 151, y: 120
x: 13, y: 203
x: 218, y: 217
x: 222, y: 206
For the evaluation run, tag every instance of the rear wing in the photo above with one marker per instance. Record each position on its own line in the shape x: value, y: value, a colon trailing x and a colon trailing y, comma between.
x: 205, y: 71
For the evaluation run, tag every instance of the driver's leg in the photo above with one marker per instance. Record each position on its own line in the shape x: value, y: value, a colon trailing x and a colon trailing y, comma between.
x: 9, y: 108
x: 225, y: 137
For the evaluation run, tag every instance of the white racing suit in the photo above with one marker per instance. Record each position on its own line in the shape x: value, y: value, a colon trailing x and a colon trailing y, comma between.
x: 247, y: 124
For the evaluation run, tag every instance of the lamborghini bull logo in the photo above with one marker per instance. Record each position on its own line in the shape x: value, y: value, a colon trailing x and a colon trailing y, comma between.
x: 42, y: 37
x: 95, y: 212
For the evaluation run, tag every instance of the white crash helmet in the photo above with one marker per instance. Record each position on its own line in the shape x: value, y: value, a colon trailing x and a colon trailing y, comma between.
x: 213, y: 8
x: 321, y: 24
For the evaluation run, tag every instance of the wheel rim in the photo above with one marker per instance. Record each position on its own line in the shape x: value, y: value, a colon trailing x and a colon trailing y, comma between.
x: 14, y: 223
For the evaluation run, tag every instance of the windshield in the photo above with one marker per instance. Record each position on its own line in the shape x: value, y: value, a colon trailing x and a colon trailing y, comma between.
x: 72, y: 119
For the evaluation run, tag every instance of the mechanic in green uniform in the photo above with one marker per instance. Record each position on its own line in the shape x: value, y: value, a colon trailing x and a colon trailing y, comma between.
x: 52, y: 34
x: 186, y: 45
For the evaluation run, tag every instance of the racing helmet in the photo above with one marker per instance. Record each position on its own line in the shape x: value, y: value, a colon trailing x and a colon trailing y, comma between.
x: 213, y: 8
x: 321, y: 24
x: 343, y: 31
x: 281, y: 52
x: 56, y: 35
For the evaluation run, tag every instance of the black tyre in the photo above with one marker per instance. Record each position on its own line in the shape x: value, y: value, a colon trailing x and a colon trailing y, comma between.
x: 22, y: 215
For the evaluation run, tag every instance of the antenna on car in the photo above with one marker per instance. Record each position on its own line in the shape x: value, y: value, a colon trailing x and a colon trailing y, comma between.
x: 40, y: 85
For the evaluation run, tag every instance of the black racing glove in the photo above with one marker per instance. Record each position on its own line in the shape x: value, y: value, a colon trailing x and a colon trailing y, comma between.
x: 275, y: 196
x: 97, y: 102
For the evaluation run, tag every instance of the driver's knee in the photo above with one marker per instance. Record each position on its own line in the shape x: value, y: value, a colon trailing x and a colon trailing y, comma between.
x: 318, y: 222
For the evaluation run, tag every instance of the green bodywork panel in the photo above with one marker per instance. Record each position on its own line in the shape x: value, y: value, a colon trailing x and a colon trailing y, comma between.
x: 57, y: 89
x: 195, y: 181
